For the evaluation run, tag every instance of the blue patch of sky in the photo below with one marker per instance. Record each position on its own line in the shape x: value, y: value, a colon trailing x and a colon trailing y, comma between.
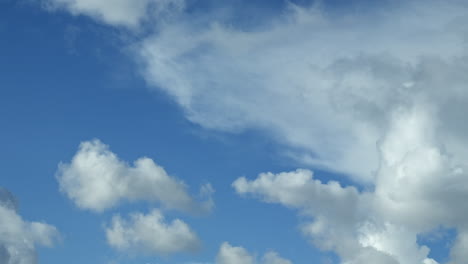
x: 439, y: 241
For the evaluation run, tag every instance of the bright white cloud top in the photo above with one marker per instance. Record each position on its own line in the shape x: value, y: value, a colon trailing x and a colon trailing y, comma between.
x: 96, y: 179
x: 19, y: 238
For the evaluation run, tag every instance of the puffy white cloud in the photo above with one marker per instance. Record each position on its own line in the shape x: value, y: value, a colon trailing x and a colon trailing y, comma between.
x: 151, y: 234
x: 418, y: 188
x: 232, y: 255
x: 229, y: 254
x: 96, y: 179
x: 128, y: 13
x: 19, y: 238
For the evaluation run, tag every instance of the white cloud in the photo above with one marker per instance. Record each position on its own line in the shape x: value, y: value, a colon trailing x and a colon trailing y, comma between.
x: 232, y: 255
x: 319, y: 83
x: 151, y: 234
x: 96, y: 179
x: 128, y: 13
x: 229, y: 254
x: 19, y: 238
x: 379, y: 97
x: 418, y: 188
x: 272, y: 257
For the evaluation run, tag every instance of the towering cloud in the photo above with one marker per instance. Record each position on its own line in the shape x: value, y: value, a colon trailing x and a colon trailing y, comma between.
x: 418, y: 188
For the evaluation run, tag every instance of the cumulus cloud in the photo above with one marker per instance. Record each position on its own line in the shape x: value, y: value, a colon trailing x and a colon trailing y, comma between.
x: 229, y: 254
x: 418, y: 188
x: 151, y: 234
x: 127, y: 13
x: 96, y: 179
x: 19, y: 238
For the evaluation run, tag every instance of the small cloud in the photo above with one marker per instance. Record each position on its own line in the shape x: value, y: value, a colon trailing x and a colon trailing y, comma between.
x: 151, y: 234
x: 96, y: 179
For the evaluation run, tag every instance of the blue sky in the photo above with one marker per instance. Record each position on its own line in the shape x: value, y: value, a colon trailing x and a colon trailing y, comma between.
x: 289, y: 132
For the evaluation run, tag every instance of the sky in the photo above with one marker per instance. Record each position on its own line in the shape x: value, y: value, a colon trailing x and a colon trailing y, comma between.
x: 233, y: 132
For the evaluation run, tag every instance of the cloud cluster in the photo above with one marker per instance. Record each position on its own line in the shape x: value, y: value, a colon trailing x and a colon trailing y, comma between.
x: 96, y: 179
x: 378, y: 95
x: 229, y: 254
x: 19, y: 238
x: 149, y: 233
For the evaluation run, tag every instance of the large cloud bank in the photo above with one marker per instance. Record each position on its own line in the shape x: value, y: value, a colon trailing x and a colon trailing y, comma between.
x: 324, y: 86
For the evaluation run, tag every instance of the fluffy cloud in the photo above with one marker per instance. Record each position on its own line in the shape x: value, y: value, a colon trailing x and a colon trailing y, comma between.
x: 128, y: 13
x: 97, y: 180
x: 151, y: 234
x: 19, y: 238
x: 418, y: 188
x: 238, y: 255
x: 229, y: 255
